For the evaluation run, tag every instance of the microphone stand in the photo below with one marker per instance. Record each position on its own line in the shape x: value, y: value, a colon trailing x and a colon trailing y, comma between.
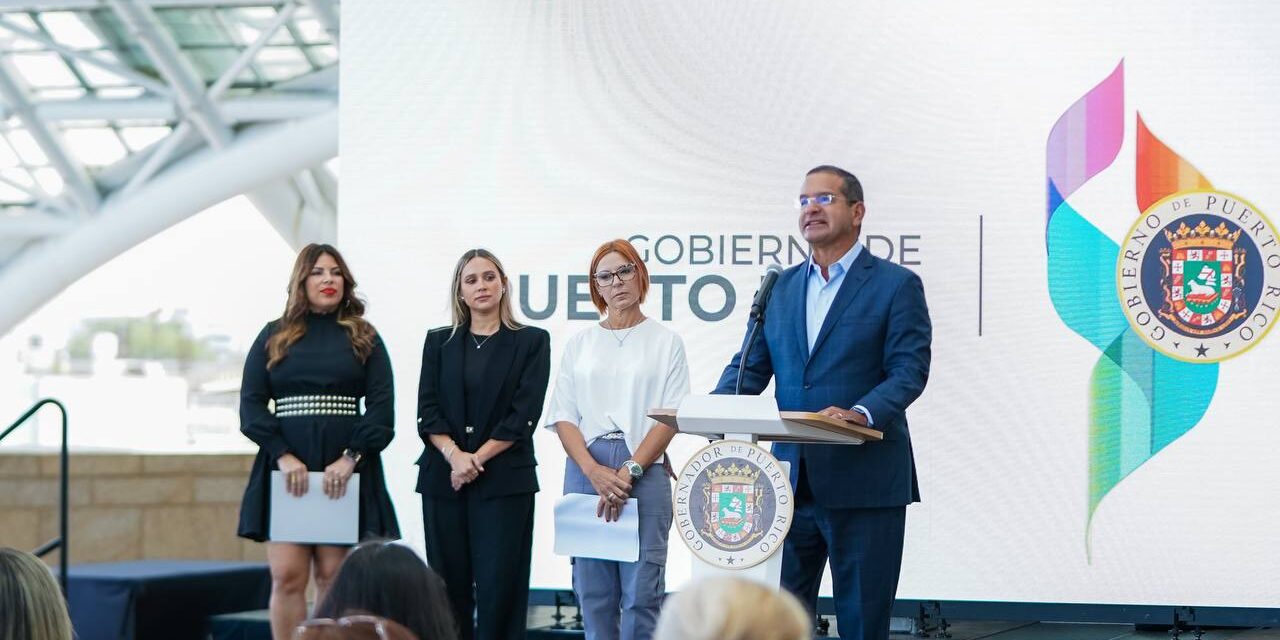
x: 758, y: 316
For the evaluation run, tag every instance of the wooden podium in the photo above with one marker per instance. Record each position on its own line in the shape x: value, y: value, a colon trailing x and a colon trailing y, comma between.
x: 740, y: 422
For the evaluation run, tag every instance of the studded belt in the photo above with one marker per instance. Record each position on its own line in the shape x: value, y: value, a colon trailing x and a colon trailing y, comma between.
x: 317, y: 405
x: 614, y: 435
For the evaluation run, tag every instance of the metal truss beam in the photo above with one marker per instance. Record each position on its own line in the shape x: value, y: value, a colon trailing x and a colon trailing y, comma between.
x: 284, y: 203
x: 115, y: 177
x: 246, y: 57
x: 77, y: 180
x: 326, y: 11
x: 143, y: 24
x: 147, y: 82
x: 31, y: 223
x: 86, y: 5
x: 279, y: 167
x: 325, y: 79
x: 259, y: 107
x: 258, y: 155
x: 190, y: 89
x: 296, y: 210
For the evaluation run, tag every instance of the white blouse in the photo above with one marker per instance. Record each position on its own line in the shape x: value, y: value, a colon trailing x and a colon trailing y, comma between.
x: 604, y: 386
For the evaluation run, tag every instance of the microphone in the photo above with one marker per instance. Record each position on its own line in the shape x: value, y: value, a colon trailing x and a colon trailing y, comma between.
x: 757, y: 314
x: 766, y: 289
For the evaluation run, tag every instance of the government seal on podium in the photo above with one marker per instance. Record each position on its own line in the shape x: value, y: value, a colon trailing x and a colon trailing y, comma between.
x: 733, y: 504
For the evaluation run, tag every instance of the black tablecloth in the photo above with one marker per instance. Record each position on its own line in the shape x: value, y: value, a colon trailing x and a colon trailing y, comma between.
x: 161, y: 599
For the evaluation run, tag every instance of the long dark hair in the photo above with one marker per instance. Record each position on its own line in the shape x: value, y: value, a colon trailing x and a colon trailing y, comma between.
x: 390, y: 580
x: 293, y: 324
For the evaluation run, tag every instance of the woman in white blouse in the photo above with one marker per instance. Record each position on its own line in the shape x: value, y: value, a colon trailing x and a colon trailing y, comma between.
x: 611, y: 374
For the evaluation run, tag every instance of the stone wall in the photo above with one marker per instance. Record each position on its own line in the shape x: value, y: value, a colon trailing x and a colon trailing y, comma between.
x: 129, y: 507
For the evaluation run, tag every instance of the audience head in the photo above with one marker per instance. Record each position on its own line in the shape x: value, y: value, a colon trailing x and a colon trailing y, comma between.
x: 31, y: 604
x: 356, y: 627
x: 733, y: 609
x: 390, y: 580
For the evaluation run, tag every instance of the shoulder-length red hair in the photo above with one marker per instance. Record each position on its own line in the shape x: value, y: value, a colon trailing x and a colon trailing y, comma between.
x: 293, y: 324
x: 628, y: 252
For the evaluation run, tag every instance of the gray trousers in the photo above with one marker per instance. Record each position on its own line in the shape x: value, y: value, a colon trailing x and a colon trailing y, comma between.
x: 620, y: 600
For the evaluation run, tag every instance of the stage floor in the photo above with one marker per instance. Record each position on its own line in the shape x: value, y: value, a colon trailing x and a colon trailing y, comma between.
x: 540, y: 621
x: 984, y: 630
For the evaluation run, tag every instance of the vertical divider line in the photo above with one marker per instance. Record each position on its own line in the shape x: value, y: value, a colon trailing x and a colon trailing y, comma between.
x: 980, y: 246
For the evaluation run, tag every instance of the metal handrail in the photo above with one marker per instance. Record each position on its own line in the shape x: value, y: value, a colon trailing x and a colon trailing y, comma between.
x: 59, y: 543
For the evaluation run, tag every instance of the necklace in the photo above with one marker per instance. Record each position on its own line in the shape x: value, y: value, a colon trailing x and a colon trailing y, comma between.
x: 481, y: 343
x: 614, y: 332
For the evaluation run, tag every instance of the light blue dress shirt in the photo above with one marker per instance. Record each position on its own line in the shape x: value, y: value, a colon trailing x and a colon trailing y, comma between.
x: 820, y: 293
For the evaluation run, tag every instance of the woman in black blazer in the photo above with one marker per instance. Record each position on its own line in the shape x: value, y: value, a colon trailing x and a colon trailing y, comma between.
x: 479, y: 399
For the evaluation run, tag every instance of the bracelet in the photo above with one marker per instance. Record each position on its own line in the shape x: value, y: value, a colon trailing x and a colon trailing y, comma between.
x: 449, y: 454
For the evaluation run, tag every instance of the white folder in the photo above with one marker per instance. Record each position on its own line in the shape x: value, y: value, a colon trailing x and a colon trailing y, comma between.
x: 313, y: 517
x: 583, y: 534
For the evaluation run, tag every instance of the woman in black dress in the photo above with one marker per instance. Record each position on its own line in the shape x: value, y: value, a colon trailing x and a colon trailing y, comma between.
x: 479, y: 400
x: 300, y: 402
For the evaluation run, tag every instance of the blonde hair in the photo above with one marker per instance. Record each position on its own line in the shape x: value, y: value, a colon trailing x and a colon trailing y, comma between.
x: 30, y: 600
x: 461, y: 312
x: 733, y: 609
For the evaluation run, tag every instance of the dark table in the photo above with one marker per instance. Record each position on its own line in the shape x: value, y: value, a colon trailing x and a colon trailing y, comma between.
x: 161, y: 599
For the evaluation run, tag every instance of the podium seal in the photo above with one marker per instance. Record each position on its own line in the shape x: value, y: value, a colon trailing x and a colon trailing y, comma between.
x: 733, y: 504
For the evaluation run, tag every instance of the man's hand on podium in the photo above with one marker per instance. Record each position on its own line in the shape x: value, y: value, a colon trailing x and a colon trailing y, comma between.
x: 848, y: 415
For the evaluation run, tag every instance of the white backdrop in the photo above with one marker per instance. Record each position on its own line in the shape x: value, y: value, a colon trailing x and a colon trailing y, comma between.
x: 539, y: 130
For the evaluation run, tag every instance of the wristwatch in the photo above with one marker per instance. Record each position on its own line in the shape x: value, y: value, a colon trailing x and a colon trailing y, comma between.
x: 634, y: 467
x: 352, y: 455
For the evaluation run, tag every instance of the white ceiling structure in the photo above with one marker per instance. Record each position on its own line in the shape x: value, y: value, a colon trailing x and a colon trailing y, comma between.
x: 120, y: 118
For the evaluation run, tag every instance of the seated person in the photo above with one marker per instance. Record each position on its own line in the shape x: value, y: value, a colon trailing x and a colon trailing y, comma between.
x: 31, y: 604
x: 732, y: 609
x: 360, y: 627
x: 389, y: 580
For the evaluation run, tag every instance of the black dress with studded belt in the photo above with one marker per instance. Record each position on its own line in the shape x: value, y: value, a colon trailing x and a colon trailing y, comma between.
x: 309, y: 405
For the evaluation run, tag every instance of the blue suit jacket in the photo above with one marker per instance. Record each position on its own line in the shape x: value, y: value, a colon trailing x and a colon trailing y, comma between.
x: 873, y: 350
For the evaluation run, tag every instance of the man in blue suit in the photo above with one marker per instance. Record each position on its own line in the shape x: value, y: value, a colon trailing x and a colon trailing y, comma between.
x: 846, y: 334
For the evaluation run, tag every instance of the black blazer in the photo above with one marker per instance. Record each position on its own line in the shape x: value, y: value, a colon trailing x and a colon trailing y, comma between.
x: 516, y: 385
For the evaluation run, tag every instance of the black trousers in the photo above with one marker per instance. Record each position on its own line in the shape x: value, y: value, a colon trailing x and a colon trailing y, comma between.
x: 482, y: 548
